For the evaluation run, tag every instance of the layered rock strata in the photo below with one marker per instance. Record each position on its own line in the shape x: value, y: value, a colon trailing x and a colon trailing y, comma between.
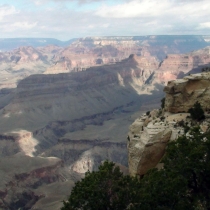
x: 96, y: 51
x: 66, y: 97
x: 182, y: 94
x: 25, y: 182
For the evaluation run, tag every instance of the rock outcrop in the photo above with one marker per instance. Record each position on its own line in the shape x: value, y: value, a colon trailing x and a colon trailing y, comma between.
x: 149, y: 134
x: 182, y: 94
x: 148, y: 138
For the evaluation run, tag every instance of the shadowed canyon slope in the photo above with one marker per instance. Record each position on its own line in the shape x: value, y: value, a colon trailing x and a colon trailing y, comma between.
x: 100, y: 89
x: 76, y: 95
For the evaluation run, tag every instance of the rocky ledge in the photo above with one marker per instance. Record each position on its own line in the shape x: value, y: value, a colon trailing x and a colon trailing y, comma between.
x: 182, y: 94
x: 149, y: 134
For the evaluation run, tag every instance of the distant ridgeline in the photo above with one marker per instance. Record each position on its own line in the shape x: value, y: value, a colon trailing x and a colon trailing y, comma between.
x: 185, y: 43
x: 12, y: 43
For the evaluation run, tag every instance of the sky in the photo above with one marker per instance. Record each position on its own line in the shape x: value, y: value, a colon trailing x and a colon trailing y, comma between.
x: 67, y: 19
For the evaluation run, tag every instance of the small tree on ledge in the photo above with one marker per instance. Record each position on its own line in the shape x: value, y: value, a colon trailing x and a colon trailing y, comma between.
x: 163, y: 103
x: 197, y: 112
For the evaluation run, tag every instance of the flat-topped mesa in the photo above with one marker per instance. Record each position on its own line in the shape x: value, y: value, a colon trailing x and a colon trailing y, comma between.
x: 91, y: 41
x: 182, y: 94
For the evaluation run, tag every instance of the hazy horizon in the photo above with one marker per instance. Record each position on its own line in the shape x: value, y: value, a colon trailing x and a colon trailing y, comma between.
x: 101, y: 36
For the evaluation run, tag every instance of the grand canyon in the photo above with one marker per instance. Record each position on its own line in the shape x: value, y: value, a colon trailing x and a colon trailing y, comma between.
x: 65, y: 107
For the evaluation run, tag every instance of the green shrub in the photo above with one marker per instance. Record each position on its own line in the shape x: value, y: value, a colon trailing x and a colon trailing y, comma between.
x: 104, y: 189
x: 183, y: 183
x: 163, y: 103
x: 197, y: 112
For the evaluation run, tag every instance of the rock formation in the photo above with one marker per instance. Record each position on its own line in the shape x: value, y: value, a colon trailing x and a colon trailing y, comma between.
x: 149, y: 134
x: 148, y: 138
x: 182, y: 94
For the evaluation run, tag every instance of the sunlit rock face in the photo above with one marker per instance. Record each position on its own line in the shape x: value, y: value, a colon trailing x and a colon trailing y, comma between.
x: 18, y: 142
x: 185, y: 62
x: 148, y: 137
x: 149, y: 134
x: 182, y: 94
x: 20, y: 63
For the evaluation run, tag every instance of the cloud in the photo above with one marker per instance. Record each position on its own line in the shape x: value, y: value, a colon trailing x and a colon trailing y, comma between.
x: 7, y: 10
x: 63, y: 20
x: 132, y: 9
x: 24, y: 25
x: 40, y: 2
x: 154, y: 8
x: 205, y: 25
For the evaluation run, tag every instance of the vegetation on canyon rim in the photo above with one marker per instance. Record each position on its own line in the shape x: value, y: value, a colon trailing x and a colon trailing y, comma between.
x: 183, y: 183
x: 197, y: 112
